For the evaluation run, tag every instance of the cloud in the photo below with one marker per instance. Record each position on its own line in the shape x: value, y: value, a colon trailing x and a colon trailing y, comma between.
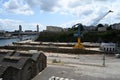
x: 85, y: 11
x: 89, y: 11
x: 11, y: 25
x: 75, y: 7
x: 44, y: 5
x: 33, y: 3
x: 48, y: 5
x: 26, y: 7
x: 1, y: 10
x: 17, y: 7
x: 8, y: 24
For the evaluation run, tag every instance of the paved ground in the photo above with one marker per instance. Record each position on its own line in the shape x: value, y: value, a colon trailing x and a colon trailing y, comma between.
x: 67, y: 73
x: 95, y: 59
x: 75, y: 73
x: 80, y: 67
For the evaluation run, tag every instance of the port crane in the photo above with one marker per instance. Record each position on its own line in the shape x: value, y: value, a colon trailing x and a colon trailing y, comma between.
x: 79, y: 44
x: 100, y: 18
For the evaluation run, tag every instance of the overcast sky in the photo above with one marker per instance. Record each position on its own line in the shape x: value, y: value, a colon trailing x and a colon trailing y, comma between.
x: 64, y: 13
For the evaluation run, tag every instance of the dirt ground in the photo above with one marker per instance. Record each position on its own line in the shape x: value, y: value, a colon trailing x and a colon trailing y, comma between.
x: 88, y: 65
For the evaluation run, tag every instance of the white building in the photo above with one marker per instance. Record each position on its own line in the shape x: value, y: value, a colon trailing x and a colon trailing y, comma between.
x: 102, y: 29
x: 108, y: 47
x: 54, y: 29
x: 2, y: 31
x: 116, y: 26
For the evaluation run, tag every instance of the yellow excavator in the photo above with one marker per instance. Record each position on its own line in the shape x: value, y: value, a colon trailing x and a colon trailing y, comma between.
x: 79, y: 44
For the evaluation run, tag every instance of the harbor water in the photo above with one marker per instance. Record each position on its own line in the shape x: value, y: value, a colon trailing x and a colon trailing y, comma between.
x: 4, y: 42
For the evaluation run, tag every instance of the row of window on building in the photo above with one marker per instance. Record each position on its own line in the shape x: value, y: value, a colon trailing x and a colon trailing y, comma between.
x: 108, y: 47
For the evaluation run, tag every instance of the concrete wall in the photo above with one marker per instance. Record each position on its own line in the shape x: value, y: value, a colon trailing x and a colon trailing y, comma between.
x: 54, y: 49
x: 102, y: 29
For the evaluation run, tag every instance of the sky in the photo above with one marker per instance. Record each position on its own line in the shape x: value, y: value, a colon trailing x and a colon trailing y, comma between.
x: 63, y: 13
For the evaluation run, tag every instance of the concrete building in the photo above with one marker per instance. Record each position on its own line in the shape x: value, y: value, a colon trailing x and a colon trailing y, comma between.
x: 37, y: 28
x: 102, y: 28
x: 108, y: 47
x: 116, y: 26
x: 20, y: 28
x: 2, y: 31
x: 28, y: 31
x: 54, y: 29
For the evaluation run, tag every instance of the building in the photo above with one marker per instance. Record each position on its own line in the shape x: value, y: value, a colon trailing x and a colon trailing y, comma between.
x: 37, y: 28
x: 2, y: 31
x: 108, y: 47
x: 116, y: 26
x: 54, y: 29
x: 28, y: 31
x: 20, y: 28
x: 102, y: 28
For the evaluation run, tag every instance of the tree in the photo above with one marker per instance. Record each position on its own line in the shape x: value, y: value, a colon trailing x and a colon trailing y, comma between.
x: 109, y: 28
x: 100, y: 25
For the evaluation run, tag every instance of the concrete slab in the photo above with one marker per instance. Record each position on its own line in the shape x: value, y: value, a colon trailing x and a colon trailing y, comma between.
x: 55, y: 72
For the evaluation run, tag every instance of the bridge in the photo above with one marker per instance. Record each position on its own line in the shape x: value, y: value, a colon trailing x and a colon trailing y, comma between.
x: 24, y: 33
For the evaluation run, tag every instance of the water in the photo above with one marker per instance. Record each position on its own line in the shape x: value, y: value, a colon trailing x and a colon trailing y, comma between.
x: 10, y: 41
x: 7, y: 41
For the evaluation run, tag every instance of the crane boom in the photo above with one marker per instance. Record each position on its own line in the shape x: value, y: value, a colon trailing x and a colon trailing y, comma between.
x: 100, y: 18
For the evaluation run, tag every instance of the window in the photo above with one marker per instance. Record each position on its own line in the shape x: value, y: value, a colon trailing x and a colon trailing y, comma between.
x: 110, y: 49
x: 113, y: 49
x: 107, y: 49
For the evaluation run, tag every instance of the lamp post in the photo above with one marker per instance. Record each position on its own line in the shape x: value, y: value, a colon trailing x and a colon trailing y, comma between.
x: 103, y: 59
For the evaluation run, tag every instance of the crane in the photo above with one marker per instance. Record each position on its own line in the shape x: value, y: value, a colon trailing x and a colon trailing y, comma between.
x: 101, y: 17
x: 79, y: 44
